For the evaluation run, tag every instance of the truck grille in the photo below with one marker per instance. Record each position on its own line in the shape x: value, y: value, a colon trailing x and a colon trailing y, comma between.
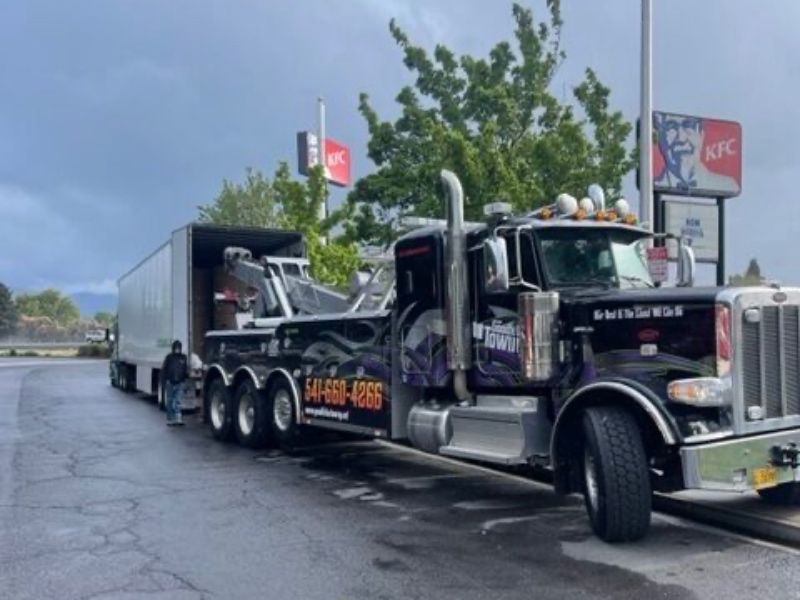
x: 771, y: 361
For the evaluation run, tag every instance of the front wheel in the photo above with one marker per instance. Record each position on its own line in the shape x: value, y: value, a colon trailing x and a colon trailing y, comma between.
x: 616, y: 478
x: 785, y: 494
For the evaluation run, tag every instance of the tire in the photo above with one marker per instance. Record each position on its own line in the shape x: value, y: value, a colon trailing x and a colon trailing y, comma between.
x: 251, y: 420
x: 219, y: 407
x: 785, y: 494
x: 283, y: 415
x: 615, y: 475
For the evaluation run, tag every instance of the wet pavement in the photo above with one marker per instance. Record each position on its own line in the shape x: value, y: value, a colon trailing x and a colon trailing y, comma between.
x: 100, y: 500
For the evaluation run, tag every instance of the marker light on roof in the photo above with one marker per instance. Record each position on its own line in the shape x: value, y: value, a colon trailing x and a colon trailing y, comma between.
x: 587, y: 205
x: 566, y: 205
x: 622, y: 208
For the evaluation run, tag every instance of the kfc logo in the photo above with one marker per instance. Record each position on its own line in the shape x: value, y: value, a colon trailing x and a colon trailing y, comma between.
x: 694, y: 156
x: 337, y: 163
x: 337, y: 158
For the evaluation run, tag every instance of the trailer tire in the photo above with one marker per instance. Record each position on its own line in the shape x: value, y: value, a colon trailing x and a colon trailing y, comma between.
x: 282, y: 414
x: 251, y: 420
x: 219, y: 406
x: 615, y: 475
x: 785, y: 494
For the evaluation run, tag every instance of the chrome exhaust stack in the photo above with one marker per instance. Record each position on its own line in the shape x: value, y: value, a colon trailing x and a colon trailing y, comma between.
x: 459, y: 351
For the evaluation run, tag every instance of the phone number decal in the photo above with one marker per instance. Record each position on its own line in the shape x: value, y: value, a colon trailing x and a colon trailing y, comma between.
x: 365, y: 395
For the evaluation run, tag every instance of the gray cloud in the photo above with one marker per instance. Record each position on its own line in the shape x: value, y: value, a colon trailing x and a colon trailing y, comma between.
x: 118, y: 118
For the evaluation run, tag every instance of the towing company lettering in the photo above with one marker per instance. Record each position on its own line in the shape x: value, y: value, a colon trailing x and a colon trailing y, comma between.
x: 499, y: 336
x: 638, y: 312
x: 341, y: 393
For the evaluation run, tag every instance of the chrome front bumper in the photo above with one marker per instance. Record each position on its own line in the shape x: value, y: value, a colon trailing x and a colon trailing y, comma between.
x: 738, y: 464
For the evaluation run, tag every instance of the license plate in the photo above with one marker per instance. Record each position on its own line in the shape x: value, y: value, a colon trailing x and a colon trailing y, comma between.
x: 765, y: 477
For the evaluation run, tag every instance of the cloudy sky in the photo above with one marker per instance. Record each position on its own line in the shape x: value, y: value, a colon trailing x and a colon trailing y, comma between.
x: 119, y: 117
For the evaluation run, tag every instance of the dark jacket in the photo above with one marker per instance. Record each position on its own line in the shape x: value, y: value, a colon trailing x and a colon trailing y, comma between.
x: 175, y: 368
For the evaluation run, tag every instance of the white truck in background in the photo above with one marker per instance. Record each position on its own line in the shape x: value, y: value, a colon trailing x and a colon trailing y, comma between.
x: 180, y: 292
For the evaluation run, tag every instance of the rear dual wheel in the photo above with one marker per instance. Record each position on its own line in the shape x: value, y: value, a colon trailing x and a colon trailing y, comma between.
x: 252, y: 416
x: 256, y: 418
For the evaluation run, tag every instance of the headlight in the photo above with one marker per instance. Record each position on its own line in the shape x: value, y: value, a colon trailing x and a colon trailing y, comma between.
x: 703, y: 391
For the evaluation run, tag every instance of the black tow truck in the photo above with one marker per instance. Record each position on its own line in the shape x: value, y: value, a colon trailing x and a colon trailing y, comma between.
x: 536, y: 339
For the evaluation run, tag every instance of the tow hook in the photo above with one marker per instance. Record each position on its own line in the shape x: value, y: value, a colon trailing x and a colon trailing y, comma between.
x: 787, y: 455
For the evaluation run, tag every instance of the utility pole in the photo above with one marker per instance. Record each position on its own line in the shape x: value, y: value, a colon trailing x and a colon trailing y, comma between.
x: 646, y: 119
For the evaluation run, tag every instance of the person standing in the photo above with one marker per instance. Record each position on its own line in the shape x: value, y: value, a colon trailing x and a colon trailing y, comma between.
x: 174, y: 375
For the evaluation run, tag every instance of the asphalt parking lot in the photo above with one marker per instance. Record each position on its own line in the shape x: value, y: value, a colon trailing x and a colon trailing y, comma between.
x: 101, y: 500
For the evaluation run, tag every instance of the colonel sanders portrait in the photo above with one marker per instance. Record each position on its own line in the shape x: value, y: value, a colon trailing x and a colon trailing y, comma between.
x: 680, y: 140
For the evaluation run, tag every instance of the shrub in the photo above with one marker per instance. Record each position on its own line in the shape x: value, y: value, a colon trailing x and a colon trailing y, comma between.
x: 94, y: 351
x: 13, y: 352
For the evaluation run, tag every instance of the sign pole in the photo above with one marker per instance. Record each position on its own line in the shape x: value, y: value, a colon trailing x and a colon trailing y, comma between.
x: 659, y: 219
x: 323, y: 209
x: 721, y: 242
x: 646, y: 119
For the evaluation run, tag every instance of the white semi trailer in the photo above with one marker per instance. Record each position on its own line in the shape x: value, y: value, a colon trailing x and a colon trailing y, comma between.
x: 181, y: 291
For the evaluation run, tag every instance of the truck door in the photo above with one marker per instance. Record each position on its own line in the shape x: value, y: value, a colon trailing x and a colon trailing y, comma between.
x: 495, y: 332
x: 419, y: 263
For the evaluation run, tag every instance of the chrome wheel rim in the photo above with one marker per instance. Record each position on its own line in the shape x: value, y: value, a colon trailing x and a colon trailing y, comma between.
x: 247, y: 413
x: 282, y: 410
x: 217, y: 410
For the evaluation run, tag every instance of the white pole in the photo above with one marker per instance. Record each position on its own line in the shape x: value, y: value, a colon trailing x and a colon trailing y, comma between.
x: 323, y: 160
x: 646, y: 119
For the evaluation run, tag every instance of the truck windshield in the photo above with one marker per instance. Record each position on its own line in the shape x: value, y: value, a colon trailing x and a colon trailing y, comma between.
x: 578, y: 257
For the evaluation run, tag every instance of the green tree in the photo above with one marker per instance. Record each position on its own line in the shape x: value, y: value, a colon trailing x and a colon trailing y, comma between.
x: 104, y: 319
x: 284, y: 203
x: 251, y: 203
x: 49, y: 303
x: 752, y: 276
x: 8, y: 312
x: 494, y: 122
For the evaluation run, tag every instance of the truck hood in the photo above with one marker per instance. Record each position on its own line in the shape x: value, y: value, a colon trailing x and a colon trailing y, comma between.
x: 647, y: 334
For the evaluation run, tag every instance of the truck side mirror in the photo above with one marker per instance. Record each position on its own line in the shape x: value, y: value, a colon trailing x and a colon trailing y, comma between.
x: 495, y: 265
x: 686, y: 264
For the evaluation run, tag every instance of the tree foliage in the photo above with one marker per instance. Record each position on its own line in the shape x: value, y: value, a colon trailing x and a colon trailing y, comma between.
x: 8, y: 312
x: 50, y: 304
x: 253, y: 203
x: 104, y: 319
x: 285, y: 203
x: 752, y: 276
x: 494, y: 122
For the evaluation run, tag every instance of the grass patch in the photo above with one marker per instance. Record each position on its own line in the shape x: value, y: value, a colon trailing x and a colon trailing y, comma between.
x: 94, y: 351
x: 40, y: 353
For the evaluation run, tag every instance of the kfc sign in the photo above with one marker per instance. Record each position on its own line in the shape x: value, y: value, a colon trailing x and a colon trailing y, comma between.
x: 337, y: 163
x: 337, y: 159
x: 694, y: 156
